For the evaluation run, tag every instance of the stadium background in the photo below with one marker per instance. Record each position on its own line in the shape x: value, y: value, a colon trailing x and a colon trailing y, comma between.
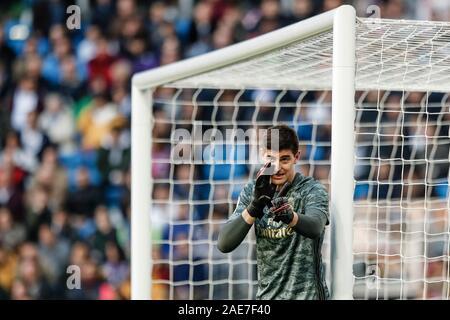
x: 65, y: 127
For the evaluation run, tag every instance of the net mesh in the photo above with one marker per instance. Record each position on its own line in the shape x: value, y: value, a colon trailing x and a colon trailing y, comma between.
x: 390, y: 54
x: 401, y: 195
x: 401, y: 201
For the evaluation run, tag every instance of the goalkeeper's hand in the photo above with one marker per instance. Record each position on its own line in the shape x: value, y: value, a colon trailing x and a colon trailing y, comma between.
x: 281, y: 209
x: 263, y: 192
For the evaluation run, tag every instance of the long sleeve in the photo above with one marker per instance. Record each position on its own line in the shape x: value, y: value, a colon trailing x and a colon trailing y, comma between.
x: 310, y: 224
x: 232, y: 234
x: 234, y: 231
x: 315, y: 214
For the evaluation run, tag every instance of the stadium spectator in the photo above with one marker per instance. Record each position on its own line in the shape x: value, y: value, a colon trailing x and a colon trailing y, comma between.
x: 32, y: 138
x: 58, y: 123
x: 105, y: 232
x: 87, y: 48
x: 52, y: 64
x: 11, y: 195
x: 7, y: 55
x: 25, y: 98
x: 30, y: 273
x: 52, y: 177
x: 161, y: 271
x: 200, y: 29
x: 393, y: 9
x: 12, y: 234
x: 72, y: 85
x: 95, y: 121
x: 90, y: 283
x: 116, y: 269
x: 100, y: 65
x: 85, y: 197
x: 301, y: 9
x: 8, y: 265
x: 157, y: 24
x: 19, y: 291
x: 53, y: 254
x: 114, y: 154
x: 102, y: 15
x: 38, y: 211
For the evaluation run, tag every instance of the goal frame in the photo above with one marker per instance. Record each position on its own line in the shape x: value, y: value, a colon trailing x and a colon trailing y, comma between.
x: 342, y: 21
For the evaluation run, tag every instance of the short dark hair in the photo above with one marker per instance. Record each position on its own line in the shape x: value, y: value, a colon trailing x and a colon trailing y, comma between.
x: 286, y: 135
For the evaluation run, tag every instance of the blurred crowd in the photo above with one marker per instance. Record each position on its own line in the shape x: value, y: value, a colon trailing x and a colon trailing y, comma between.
x: 65, y: 129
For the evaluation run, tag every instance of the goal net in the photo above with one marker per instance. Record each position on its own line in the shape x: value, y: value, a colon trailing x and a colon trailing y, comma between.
x: 203, y: 128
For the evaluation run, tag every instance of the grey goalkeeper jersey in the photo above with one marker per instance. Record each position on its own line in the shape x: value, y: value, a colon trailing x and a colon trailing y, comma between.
x: 289, y: 264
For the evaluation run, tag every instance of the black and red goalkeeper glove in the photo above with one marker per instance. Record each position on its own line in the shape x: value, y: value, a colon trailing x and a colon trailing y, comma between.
x: 281, y: 209
x: 263, y: 192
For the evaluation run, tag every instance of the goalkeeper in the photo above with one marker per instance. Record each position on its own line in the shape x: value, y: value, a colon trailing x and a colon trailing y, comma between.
x: 290, y: 212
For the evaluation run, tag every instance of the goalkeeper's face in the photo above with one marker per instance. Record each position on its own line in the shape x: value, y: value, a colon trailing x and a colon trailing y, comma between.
x: 283, y: 164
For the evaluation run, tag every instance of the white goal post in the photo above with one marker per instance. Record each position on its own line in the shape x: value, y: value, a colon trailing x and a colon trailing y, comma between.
x: 342, y: 20
x: 334, y: 51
